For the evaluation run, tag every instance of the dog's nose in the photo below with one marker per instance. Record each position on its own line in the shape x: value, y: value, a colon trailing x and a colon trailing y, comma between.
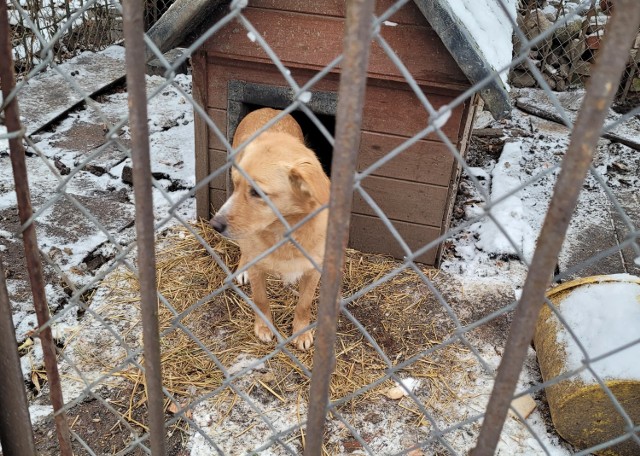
x: 219, y: 223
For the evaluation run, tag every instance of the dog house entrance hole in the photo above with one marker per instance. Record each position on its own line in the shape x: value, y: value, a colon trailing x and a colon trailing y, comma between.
x: 246, y: 97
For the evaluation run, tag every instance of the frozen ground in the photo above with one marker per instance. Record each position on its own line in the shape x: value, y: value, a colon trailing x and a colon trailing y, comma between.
x: 83, y: 228
x: 480, y: 272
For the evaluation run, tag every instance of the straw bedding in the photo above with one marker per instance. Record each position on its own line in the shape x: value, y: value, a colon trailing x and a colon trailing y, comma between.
x: 401, y: 315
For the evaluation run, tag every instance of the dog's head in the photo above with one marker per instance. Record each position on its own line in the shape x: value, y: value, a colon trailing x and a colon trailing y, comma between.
x: 286, y: 171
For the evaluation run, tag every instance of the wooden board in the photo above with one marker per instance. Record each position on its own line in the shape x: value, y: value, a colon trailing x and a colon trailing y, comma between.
x: 389, y: 107
x: 369, y: 234
x: 219, y: 117
x: 405, y: 201
x: 218, y: 159
x: 408, y: 14
x: 313, y: 41
x: 468, y: 117
x: 199, y: 64
x: 217, y: 198
x: 397, y: 111
x: 425, y: 161
x: 49, y: 95
x: 539, y: 104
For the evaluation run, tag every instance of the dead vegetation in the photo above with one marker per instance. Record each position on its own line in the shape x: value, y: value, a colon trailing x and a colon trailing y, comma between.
x: 208, y: 320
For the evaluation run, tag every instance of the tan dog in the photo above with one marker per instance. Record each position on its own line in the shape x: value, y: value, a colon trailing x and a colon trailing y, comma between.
x: 292, y: 178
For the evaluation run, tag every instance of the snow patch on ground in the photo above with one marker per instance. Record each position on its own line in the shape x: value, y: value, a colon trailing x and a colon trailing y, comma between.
x: 386, y: 426
x: 70, y: 239
x: 516, y: 235
x: 4, y: 143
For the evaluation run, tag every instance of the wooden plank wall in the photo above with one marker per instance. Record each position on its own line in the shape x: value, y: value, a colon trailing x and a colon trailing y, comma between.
x: 415, y: 189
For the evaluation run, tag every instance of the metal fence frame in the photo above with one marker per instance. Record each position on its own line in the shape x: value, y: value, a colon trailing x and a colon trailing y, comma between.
x: 358, y: 35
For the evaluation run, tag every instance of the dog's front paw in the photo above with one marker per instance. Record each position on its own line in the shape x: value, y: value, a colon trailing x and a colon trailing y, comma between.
x: 243, y: 279
x: 262, y: 331
x: 304, y: 341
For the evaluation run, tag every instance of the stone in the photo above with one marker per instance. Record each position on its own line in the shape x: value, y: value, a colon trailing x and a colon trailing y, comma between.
x: 582, y: 68
x: 524, y: 405
x: 535, y: 23
x: 127, y: 175
x: 569, y: 31
x: 522, y: 79
x: 575, y: 49
x: 561, y: 85
x: 554, y: 58
x: 593, y: 41
x: 156, y: 68
x: 550, y: 81
x: 395, y: 393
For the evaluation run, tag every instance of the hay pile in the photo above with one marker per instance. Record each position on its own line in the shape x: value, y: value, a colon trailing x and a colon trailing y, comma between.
x: 400, y: 314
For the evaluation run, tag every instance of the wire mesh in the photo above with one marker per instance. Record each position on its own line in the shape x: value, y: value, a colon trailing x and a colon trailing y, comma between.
x: 438, y: 181
x: 72, y: 28
x: 565, y: 57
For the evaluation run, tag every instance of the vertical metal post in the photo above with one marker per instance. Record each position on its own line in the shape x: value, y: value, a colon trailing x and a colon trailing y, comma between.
x: 353, y: 80
x: 142, y: 185
x: 601, y: 89
x: 16, y: 435
x: 32, y: 256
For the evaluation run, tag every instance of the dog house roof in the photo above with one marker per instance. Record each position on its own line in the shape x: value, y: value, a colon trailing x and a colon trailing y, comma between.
x: 477, y: 34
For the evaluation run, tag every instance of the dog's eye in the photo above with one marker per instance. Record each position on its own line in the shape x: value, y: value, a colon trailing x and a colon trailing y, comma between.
x: 254, y: 193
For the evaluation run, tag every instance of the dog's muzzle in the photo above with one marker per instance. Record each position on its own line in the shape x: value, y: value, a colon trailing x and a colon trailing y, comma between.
x: 219, y: 223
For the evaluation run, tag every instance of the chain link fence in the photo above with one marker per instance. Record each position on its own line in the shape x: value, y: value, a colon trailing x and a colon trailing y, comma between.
x: 130, y: 316
x: 566, y: 56
x: 63, y: 29
x: 70, y: 27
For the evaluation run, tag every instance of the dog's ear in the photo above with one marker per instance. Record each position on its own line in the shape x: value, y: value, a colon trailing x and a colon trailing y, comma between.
x: 309, y: 181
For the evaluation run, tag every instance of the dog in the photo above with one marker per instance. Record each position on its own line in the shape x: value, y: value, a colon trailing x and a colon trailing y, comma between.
x: 291, y: 176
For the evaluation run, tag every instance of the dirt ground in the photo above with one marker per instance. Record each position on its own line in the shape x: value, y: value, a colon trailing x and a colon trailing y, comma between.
x: 102, y: 430
x: 426, y: 325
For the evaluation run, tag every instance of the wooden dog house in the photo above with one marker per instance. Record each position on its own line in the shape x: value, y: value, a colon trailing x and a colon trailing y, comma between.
x: 233, y: 75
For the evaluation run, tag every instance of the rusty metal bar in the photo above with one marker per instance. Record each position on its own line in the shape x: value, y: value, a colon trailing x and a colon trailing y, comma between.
x: 601, y: 89
x: 32, y: 255
x: 133, y: 25
x: 353, y: 80
x: 16, y: 435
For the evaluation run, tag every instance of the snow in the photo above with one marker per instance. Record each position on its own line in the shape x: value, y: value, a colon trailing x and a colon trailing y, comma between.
x: 38, y: 412
x: 408, y: 384
x: 476, y: 263
x: 68, y: 239
x: 603, y: 316
x: 442, y: 117
x: 6, y: 235
x: 516, y: 439
x: 550, y: 12
x: 491, y: 29
x: 481, y: 250
x: 305, y: 97
x: 243, y: 362
x: 508, y: 212
x: 47, y: 23
x: 403, y: 388
x: 4, y: 143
